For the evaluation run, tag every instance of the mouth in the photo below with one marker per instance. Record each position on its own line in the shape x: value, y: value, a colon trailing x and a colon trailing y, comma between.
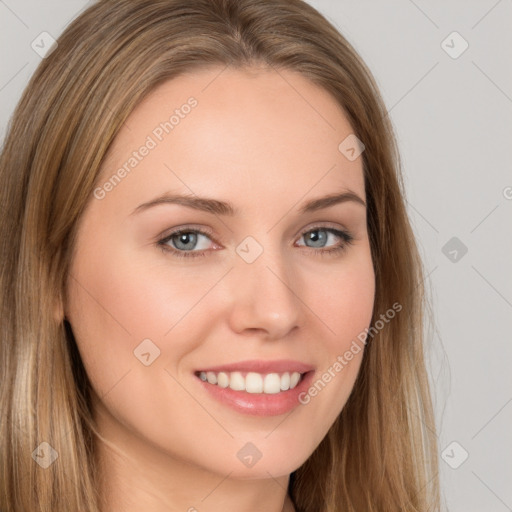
x: 253, y: 382
x: 258, y: 388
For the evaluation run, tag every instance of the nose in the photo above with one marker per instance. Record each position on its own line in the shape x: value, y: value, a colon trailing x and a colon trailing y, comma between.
x: 263, y: 298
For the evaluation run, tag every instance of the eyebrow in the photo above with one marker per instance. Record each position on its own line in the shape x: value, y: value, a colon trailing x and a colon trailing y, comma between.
x: 222, y: 208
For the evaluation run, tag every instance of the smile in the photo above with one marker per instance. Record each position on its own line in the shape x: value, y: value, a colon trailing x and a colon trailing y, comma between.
x: 252, y: 382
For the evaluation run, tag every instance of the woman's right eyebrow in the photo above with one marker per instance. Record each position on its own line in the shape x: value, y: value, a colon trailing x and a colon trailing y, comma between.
x: 218, y: 207
x: 192, y: 201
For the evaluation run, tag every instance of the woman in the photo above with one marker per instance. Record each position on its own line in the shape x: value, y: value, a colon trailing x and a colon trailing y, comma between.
x: 211, y: 294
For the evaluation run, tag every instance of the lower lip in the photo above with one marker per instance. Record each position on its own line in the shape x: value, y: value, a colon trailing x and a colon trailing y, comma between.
x: 259, y: 404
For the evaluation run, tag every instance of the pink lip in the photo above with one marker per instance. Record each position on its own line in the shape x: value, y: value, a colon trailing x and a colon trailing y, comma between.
x: 256, y: 404
x: 263, y: 367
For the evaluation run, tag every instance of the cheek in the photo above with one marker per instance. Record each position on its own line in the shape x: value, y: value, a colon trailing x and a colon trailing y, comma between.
x: 345, y: 306
x: 118, y: 297
x: 344, y: 300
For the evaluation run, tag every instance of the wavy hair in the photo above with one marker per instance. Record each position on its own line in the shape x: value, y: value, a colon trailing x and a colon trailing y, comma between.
x: 381, y: 452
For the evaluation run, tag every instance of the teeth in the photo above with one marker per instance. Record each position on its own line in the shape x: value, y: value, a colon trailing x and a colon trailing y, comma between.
x: 294, y: 379
x: 272, y: 383
x: 285, y: 382
x: 269, y: 384
x: 223, y: 380
x: 211, y: 377
x: 253, y: 383
x: 236, y: 381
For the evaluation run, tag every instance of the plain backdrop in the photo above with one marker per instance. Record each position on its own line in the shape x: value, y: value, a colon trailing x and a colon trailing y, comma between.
x: 444, y: 70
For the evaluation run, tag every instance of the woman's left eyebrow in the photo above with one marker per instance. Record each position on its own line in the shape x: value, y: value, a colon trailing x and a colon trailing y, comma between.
x: 325, y: 202
x: 223, y: 208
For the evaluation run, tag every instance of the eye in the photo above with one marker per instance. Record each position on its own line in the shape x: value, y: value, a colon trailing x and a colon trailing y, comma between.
x: 185, y: 242
x: 321, y: 236
x: 192, y: 243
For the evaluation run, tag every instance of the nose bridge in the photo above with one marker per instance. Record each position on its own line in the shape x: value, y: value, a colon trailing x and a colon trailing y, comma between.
x: 263, y: 295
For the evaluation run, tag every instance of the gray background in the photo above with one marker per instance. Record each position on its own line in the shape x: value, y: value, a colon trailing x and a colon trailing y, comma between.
x: 453, y: 119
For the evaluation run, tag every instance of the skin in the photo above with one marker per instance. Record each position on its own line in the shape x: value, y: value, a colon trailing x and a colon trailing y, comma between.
x: 256, y: 143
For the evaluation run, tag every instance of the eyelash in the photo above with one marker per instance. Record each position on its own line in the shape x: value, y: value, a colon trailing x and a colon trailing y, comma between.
x: 344, y: 235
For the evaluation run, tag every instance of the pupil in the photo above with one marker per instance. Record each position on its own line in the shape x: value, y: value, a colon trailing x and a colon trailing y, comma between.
x: 318, y: 236
x: 186, y: 239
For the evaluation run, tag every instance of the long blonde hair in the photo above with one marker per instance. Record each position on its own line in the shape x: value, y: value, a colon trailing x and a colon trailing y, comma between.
x: 381, y: 452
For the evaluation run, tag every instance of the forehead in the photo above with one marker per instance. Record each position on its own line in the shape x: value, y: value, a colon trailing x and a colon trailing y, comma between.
x: 236, y: 130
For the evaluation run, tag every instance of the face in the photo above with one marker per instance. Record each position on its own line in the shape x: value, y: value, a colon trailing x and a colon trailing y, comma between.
x: 207, y: 278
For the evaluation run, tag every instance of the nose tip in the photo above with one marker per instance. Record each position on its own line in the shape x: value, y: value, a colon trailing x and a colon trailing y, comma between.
x: 264, y: 300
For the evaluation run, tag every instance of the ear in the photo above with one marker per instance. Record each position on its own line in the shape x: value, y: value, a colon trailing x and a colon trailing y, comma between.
x: 58, y: 310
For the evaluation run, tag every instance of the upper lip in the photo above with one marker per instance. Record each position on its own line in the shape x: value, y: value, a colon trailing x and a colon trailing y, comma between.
x: 261, y: 366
